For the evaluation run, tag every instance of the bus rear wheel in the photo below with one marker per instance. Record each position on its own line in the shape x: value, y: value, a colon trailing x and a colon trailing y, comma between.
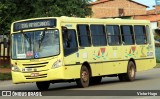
x: 131, y: 73
x: 83, y: 81
x: 43, y: 85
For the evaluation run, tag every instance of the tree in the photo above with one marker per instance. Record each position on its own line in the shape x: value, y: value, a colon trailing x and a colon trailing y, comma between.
x: 13, y: 10
x: 57, y: 8
x: 157, y: 32
x: 4, y: 15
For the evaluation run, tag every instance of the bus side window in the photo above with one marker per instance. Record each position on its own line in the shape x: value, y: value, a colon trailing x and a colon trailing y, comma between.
x: 65, y: 39
x: 84, y: 35
x: 127, y: 35
x: 113, y: 34
x: 98, y: 35
x: 69, y: 42
x: 148, y: 34
x: 140, y: 34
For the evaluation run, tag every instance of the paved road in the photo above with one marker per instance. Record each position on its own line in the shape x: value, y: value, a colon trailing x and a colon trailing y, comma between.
x: 147, y: 80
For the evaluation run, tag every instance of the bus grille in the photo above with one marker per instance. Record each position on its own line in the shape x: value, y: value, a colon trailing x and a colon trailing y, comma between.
x: 36, y: 65
x: 39, y: 76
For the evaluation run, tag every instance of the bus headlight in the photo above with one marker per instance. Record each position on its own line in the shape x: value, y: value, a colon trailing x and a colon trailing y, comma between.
x: 57, y: 64
x: 15, y: 68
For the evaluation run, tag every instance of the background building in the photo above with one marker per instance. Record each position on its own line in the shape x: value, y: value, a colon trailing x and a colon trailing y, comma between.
x: 153, y: 16
x: 126, y: 9
x: 117, y: 8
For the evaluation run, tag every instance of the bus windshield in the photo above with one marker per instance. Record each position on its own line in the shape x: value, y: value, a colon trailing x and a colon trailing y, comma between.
x: 35, y: 44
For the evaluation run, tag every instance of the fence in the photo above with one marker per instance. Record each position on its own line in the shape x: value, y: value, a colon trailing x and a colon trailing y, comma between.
x: 4, y: 52
x: 158, y: 52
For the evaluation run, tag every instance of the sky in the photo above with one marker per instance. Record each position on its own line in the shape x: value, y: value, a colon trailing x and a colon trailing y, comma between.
x: 149, y: 3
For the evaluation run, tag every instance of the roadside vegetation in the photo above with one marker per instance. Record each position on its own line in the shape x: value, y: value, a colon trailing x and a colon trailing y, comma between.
x: 13, y: 10
x: 5, y: 72
x: 5, y: 76
x: 158, y: 63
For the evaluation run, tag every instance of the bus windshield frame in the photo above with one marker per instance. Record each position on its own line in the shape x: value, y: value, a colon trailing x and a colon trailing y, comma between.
x: 35, y: 44
x: 32, y: 24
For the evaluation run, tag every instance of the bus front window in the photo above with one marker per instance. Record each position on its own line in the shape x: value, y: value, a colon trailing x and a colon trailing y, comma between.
x: 36, y: 44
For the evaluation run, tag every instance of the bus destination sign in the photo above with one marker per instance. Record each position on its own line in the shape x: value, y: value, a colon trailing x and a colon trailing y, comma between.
x: 31, y: 24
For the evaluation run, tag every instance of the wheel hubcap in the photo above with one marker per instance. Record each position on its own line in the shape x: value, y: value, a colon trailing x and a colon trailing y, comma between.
x: 84, y: 76
x: 132, y: 72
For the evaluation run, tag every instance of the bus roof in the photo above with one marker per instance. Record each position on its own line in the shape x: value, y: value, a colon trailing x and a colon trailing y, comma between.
x: 96, y: 20
x: 92, y: 20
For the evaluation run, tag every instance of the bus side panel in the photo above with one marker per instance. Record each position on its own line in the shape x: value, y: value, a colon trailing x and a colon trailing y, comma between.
x: 72, y: 72
x: 145, y: 64
x: 96, y: 69
x: 115, y: 67
x: 93, y: 57
x: 145, y: 57
x: 72, y: 69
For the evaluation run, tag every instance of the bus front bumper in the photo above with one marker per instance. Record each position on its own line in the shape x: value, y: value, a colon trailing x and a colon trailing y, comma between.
x: 61, y: 73
x: 52, y: 74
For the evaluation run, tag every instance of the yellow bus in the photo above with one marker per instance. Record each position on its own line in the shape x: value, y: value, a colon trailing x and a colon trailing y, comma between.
x: 64, y: 49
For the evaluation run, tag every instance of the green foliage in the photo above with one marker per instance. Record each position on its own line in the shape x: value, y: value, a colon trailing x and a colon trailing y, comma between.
x: 5, y: 66
x: 5, y: 76
x: 12, y: 10
x: 156, y: 37
x: 157, y: 32
x: 158, y: 60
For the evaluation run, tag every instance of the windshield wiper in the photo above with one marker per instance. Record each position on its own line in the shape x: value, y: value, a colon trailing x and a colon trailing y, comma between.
x: 28, y: 40
x: 42, y: 38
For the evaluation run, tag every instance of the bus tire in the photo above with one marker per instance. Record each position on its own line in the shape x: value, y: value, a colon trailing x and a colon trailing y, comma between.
x: 43, y: 85
x: 84, y: 79
x: 131, y: 73
x: 95, y: 80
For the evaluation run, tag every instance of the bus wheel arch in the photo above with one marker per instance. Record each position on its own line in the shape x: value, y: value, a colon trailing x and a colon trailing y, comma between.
x: 131, y: 72
x: 89, y: 67
x: 133, y: 62
x: 85, y: 74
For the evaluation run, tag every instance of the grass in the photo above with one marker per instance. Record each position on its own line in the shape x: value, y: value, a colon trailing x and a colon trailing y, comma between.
x: 5, y: 66
x: 158, y: 63
x: 158, y: 60
x: 5, y: 76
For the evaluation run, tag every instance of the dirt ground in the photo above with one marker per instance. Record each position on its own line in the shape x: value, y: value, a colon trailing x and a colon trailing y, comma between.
x: 5, y: 70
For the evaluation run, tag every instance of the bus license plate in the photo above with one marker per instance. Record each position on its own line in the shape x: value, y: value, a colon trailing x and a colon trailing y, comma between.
x: 34, y: 74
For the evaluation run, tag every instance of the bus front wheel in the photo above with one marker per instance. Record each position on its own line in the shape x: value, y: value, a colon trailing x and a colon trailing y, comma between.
x: 131, y: 72
x: 43, y: 85
x: 83, y: 81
